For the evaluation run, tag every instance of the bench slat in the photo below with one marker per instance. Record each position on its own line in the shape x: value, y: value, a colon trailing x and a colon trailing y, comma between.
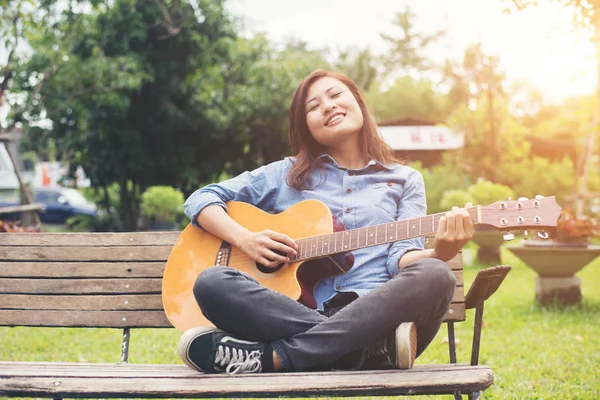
x: 79, y: 286
x: 118, y: 302
x: 78, y: 253
x: 82, y: 269
x: 40, y: 269
x: 157, y: 381
x: 91, y: 319
x: 114, y: 303
x: 133, y: 319
x: 90, y: 239
x: 456, y: 313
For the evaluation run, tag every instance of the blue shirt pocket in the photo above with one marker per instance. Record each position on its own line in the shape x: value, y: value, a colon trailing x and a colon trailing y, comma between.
x: 386, y: 196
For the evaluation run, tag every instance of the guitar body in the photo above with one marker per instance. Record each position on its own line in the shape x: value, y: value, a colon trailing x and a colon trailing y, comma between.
x: 197, y: 250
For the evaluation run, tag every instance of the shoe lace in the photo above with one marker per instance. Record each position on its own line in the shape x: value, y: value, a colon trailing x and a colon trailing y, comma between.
x: 238, y: 361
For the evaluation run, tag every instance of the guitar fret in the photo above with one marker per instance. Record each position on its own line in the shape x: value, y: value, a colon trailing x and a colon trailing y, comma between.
x: 344, y: 241
x: 319, y: 246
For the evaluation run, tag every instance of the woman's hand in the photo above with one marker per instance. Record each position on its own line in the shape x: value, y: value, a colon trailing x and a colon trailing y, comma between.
x: 454, y: 231
x: 263, y: 247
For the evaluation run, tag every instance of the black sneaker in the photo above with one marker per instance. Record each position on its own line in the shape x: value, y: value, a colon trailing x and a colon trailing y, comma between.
x: 211, y: 350
x: 398, y: 350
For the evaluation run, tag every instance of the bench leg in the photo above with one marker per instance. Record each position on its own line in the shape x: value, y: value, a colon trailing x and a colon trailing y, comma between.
x: 477, y: 333
x: 451, y: 343
x: 125, y: 345
x: 452, y: 349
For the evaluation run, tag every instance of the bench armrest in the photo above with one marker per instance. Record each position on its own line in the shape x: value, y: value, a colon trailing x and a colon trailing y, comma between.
x: 485, y: 284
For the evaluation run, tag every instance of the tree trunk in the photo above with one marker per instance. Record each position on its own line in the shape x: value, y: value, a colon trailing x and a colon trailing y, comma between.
x: 492, y: 142
x: 127, y: 206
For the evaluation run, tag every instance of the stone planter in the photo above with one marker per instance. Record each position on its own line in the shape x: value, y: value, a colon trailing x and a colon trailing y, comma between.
x: 556, y: 265
x: 489, y: 241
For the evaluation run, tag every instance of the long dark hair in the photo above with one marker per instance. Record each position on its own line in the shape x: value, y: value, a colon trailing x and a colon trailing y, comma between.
x: 307, y: 149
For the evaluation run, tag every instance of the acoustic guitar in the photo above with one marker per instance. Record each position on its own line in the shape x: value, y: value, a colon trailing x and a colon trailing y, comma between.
x: 324, y: 247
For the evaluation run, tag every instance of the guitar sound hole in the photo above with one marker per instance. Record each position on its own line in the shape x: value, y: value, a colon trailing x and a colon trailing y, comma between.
x: 268, y: 270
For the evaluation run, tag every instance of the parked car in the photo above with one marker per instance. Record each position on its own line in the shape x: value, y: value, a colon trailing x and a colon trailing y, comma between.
x: 60, y: 204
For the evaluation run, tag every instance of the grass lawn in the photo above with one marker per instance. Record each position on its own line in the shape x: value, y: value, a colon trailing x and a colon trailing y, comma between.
x: 535, y: 353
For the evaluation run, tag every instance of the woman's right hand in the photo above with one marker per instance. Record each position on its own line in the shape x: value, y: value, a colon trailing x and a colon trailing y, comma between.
x: 262, y: 247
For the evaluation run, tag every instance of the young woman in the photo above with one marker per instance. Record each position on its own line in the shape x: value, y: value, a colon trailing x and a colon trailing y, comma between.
x: 387, y: 307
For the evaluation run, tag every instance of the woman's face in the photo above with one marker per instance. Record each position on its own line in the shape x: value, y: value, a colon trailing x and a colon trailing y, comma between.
x: 332, y: 113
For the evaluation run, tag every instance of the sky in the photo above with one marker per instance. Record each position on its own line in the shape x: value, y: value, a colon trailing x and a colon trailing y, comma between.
x: 538, y: 45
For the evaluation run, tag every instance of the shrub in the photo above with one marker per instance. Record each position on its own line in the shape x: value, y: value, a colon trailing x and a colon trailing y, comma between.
x: 455, y: 197
x: 485, y: 192
x: 162, y: 203
x: 481, y: 193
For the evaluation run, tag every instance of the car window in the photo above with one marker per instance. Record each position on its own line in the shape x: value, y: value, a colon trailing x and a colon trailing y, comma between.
x: 46, y: 196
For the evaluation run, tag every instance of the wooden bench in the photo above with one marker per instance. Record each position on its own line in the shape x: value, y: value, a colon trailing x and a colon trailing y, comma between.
x: 113, y: 280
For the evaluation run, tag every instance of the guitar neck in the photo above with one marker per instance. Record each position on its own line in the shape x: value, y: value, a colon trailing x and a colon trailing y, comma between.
x: 353, y: 239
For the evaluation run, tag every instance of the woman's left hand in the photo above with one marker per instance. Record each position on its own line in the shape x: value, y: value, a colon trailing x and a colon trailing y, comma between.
x: 454, y: 231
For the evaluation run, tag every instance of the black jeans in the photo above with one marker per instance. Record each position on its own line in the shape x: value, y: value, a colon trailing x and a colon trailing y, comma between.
x: 306, y: 339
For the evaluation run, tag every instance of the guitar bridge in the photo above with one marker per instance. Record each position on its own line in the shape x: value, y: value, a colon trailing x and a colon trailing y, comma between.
x: 223, y: 254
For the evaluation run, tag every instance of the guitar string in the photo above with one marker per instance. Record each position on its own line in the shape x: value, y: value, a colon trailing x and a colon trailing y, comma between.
x: 484, y: 212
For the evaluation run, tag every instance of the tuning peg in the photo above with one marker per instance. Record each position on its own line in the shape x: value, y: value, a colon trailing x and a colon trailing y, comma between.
x: 543, y: 235
x: 508, y: 236
x: 525, y: 234
x: 539, y: 196
x: 508, y: 198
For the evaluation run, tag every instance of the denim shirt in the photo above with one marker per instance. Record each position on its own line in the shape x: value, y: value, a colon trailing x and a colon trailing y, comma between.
x: 373, y: 195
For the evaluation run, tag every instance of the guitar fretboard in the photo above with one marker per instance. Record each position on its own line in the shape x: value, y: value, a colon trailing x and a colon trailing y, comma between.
x: 340, y: 242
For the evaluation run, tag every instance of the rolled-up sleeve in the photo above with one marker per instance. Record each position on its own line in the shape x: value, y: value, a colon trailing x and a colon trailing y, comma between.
x: 258, y: 187
x: 413, y: 204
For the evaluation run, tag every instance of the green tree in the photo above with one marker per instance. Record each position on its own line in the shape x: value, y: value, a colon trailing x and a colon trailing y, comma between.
x: 406, y: 54
x: 160, y: 94
x: 359, y: 65
x: 119, y: 95
x: 408, y: 98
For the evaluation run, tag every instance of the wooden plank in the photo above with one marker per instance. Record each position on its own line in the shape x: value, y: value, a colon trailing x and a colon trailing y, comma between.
x: 83, y: 269
x: 22, y: 208
x: 96, y: 303
x: 95, y: 319
x: 77, y: 253
x: 90, y: 239
x: 456, y: 313
x: 42, y: 269
x: 456, y: 263
x: 114, y: 303
x: 80, y: 286
x: 125, y: 370
x: 117, y: 382
x: 459, y: 278
x: 458, y: 296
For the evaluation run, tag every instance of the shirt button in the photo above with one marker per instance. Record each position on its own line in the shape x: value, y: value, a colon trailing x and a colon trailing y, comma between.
x: 338, y: 287
x: 350, y: 173
x: 389, y: 184
x: 348, y: 210
x: 348, y: 190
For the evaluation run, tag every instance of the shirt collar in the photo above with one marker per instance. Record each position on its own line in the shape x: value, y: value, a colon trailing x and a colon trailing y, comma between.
x: 326, y: 156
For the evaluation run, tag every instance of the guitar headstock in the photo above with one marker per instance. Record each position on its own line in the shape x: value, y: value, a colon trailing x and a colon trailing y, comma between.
x: 541, y: 212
